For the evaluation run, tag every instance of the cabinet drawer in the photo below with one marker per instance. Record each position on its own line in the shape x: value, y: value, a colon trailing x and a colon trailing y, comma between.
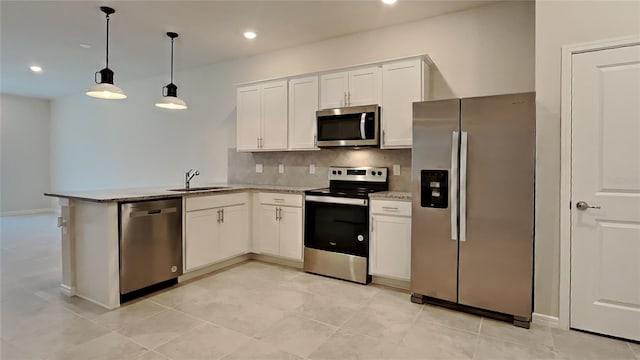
x: 214, y: 201
x: 400, y: 208
x: 280, y: 199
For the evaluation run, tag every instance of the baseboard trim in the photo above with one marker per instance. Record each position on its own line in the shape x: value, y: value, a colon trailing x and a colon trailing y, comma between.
x: 28, y: 212
x: 212, y: 268
x: 277, y: 260
x: 67, y: 290
x: 545, y: 320
x: 391, y: 282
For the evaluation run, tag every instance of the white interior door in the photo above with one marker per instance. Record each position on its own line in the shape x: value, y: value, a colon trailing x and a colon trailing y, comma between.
x: 605, y: 237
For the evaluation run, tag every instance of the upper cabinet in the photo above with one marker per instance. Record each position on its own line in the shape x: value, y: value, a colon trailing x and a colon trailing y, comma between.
x: 281, y: 114
x: 403, y: 82
x: 351, y: 88
x: 262, y: 117
x: 303, y: 104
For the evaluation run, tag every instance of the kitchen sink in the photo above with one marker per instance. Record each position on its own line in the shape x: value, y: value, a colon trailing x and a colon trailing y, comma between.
x: 200, y: 188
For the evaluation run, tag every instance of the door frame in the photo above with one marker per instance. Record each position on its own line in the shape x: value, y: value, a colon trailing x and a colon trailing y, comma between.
x: 568, y: 51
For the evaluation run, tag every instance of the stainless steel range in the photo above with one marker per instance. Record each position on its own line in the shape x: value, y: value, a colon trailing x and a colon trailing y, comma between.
x: 336, y: 238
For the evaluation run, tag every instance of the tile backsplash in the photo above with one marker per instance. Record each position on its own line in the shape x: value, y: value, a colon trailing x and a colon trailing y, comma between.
x: 242, y: 166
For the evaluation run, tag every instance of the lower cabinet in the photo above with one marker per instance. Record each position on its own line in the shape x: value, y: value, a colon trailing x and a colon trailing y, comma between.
x: 216, y: 228
x: 390, y: 246
x: 278, y: 225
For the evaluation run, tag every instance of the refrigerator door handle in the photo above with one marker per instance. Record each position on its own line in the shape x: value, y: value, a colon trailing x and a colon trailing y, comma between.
x: 463, y: 186
x: 453, y: 185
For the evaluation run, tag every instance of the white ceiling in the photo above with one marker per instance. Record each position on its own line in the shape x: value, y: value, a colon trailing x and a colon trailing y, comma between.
x: 49, y: 33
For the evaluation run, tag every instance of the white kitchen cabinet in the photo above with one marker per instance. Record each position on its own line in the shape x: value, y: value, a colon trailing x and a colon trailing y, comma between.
x: 403, y: 82
x: 303, y: 104
x: 390, y: 247
x: 351, y: 88
x: 279, y: 225
x: 215, y: 229
x: 262, y: 116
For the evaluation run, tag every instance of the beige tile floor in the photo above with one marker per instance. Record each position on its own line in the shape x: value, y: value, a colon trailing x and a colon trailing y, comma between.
x: 251, y: 311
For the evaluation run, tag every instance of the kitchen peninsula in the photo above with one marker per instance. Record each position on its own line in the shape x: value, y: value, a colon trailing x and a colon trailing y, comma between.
x: 89, y: 225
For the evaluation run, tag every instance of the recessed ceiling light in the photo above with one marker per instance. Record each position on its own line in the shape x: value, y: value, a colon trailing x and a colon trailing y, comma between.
x: 35, y: 68
x: 85, y: 46
x: 250, y: 35
x: 389, y: 2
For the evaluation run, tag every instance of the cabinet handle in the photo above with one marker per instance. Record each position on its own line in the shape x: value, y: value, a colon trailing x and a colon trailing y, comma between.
x: 278, y: 199
x: 279, y: 213
x: 218, y: 218
x: 222, y: 215
x: 315, y: 140
x: 345, y: 98
x: 372, y: 221
x: 389, y: 208
x: 349, y: 98
x: 382, y: 137
x: 258, y: 142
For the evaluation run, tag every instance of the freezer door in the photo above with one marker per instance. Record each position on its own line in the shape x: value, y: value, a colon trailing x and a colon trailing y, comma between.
x: 434, y: 250
x: 496, y: 205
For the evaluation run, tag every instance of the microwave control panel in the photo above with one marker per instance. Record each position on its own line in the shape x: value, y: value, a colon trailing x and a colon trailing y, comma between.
x: 434, y: 188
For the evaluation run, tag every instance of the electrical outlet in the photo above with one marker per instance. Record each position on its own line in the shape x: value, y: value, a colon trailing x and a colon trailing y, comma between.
x: 281, y: 168
x: 259, y: 168
x: 312, y: 168
x: 396, y: 169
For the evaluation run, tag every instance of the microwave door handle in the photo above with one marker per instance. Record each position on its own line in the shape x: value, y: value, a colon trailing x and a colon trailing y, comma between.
x: 363, y: 117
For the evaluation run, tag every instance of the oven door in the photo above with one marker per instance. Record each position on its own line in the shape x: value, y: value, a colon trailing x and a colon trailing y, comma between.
x: 337, y: 224
x: 353, y: 126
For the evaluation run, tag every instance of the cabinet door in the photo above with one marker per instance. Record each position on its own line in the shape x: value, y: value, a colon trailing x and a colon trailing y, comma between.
x: 401, y: 86
x: 291, y: 232
x: 267, y: 234
x: 390, y: 251
x: 333, y: 90
x: 274, y: 116
x: 201, y: 238
x: 248, y: 118
x: 365, y: 86
x: 303, y: 104
x: 234, y: 232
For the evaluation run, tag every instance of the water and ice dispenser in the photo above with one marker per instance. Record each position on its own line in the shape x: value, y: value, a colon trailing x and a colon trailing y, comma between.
x: 434, y: 188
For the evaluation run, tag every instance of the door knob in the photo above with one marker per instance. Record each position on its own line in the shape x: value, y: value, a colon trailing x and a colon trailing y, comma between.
x: 583, y: 205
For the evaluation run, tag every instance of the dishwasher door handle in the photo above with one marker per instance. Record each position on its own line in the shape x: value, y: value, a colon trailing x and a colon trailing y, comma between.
x: 153, y: 212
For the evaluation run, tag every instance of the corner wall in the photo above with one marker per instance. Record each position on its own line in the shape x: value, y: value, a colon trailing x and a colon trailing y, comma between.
x: 561, y: 23
x: 24, y: 154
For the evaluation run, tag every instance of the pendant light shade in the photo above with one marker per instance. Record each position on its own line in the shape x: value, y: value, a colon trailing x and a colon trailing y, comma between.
x: 104, y: 89
x: 170, y: 99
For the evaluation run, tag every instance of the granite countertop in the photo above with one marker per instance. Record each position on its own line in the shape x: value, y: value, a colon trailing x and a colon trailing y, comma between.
x: 152, y: 193
x: 391, y: 195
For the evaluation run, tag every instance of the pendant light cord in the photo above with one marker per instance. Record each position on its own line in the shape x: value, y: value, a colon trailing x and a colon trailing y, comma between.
x: 107, y: 40
x: 172, y: 60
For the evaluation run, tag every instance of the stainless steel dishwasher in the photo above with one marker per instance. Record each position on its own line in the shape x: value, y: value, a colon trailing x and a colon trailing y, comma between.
x: 150, y: 243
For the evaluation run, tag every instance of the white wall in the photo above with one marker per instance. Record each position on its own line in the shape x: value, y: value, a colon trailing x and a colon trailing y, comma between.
x: 561, y: 23
x: 24, y: 154
x: 100, y: 144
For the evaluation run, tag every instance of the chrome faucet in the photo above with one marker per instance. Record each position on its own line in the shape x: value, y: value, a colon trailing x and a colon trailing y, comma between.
x: 188, y: 176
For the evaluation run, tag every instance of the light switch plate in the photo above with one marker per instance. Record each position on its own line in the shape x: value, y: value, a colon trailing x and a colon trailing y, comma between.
x: 281, y: 168
x: 312, y: 168
x: 396, y: 169
x: 259, y: 168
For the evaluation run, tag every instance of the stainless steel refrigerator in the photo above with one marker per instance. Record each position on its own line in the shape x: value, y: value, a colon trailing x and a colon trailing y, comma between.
x: 473, y: 203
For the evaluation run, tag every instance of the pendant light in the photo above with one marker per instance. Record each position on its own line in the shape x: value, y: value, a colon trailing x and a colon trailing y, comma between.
x: 170, y: 99
x: 105, y: 88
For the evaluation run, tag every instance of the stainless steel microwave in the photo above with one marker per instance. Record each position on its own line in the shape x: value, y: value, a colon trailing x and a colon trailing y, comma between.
x: 353, y: 126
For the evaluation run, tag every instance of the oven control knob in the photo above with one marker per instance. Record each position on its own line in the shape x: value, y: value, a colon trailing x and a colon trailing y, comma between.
x: 339, y: 172
x: 333, y: 172
x: 360, y: 238
x: 373, y: 173
x: 380, y: 173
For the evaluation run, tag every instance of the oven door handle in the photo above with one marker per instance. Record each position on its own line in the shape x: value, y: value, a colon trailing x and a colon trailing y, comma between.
x: 337, y: 200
